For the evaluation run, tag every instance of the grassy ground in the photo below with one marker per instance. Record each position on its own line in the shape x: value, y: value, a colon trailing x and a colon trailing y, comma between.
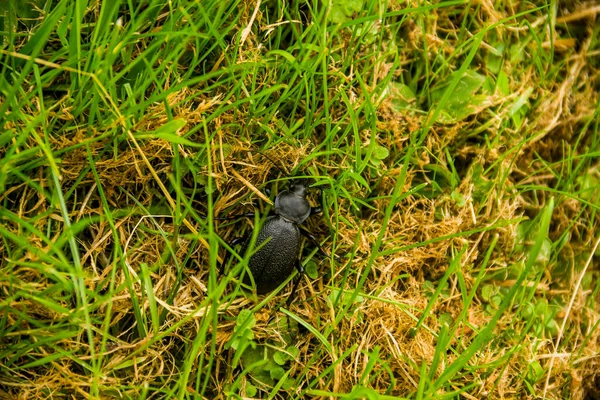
x: 454, y: 147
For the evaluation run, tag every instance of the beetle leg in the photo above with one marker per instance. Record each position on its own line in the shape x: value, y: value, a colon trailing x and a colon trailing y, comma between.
x: 300, y: 269
x: 237, y: 241
x: 232, y: 244
x: 248, y: 215
x: 310, y: 237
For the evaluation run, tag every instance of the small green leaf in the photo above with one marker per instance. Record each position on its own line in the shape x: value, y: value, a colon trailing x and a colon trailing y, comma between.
x: 352, y: 6
x: 503, y: 83
x: 481, y: 184
x: 226, y: 149
x: 256, y: 361
x: 358, y: 178
x: 170, y: 137
x: 520, y: 102
x: 589, y: 186
x: 496, y: 300
x: 494, y: 59
x: 535, y: 371
x: 311, y: 269
x: 251, y: 390
x: 464, y: 100
x: 446, y: 318
x: 343, y: 10
x: 6, y: 136
x: 280, y: 358
x: 487, y: 291
x: 380, y: 152
x: 552, y: 328
x: 543, y: 257
x: 171, y: 126
x: 337, y: 15
x: 293, y: 351
x: 377, y: 154
x: 245, y: 319
x: 130, y: 363
x: 345, y: 298
x: 277, y: 373
x: 253, y: 356
x: 243, y: 335
x: 25, y: 9
x: 458, y: 198
x: 401, y: 96
x: 428, y: 287
x: 168, y: 132
x: 541, y: 308
x: 527, y: 311
x: 282, y: 53
x: 288, y: 384
x: 440, y: 174
x: 375, y: 162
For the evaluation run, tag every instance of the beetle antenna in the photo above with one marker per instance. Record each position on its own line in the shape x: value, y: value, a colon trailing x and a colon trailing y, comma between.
x: 274, y: 164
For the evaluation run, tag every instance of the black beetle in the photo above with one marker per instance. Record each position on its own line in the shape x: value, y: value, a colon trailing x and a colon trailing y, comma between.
x: 275, y: 260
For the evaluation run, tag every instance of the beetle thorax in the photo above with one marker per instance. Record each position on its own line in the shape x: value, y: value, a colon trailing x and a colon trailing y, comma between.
x: 292, y: 205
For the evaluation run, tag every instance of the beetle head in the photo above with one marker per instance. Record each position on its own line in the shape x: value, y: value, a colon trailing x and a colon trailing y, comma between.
x: 292, y: 204
x: 298, y: 189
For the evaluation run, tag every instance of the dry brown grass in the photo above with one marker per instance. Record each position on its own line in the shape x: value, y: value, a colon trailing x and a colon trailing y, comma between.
x: 421, y: 236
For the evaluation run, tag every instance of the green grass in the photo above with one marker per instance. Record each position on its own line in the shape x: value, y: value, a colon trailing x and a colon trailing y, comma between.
x: 453, y: 147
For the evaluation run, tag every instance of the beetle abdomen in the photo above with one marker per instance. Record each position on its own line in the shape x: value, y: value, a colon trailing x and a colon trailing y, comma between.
x: 274, y: 261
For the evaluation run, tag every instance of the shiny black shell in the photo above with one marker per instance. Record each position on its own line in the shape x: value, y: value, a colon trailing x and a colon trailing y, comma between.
x: 275, y: 261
